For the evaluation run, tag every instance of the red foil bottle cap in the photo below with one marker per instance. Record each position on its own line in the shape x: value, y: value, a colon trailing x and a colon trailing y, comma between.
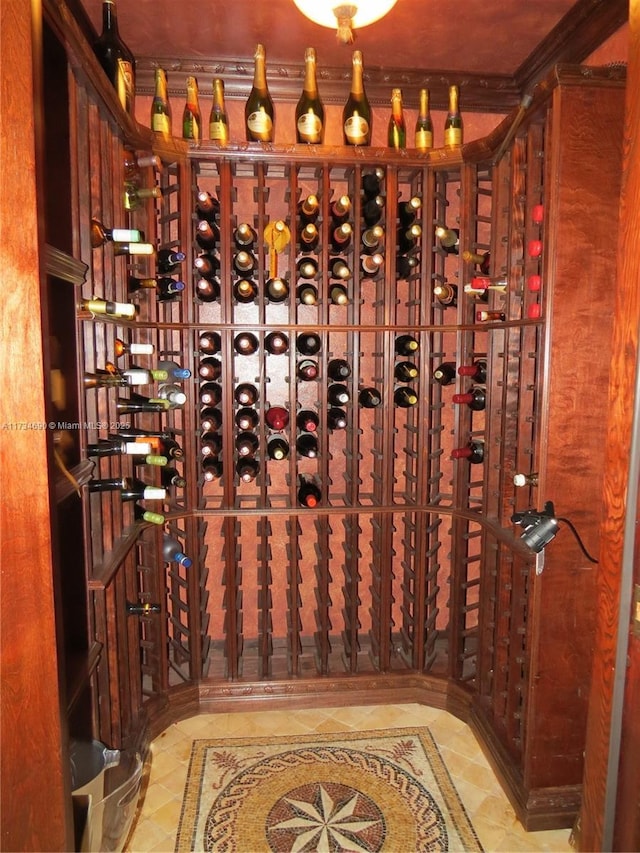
x: 534, y: 282
x: 462, y: 398
x: 537, y: 213
x: 534, y: 249
x: 534, y: 311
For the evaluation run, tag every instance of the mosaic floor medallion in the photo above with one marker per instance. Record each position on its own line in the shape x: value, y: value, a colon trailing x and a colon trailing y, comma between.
x: 375, y: 791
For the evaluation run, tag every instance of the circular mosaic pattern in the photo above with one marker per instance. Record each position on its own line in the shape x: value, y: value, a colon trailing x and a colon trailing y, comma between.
x: 330, y: 799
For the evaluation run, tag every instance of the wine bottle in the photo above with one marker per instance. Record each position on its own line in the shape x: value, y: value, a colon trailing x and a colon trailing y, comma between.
x: 340, y: 209
x: 408, y: 237
x: 207, y: 289
x: 405, y: 397
x: 210, y: 419
x: 339, y: 269
x: 211, y: 469
x: 276, y: 343
x: 309, y: 237
x: 172, y: 551
x: 168, y: 289
x: 191, y: 116
x: 453, y: 122
x: 369, y: 398
x: 104, y: 379
x: 341, y: 237
x: 336, y: 418
x: 207, y: 234
x: 406, y: 371
x: 473, y: 452
x: 118, y: 447
x: 476, y: 399
x: 356, y: 116
x: 309, y: 494
x: 168, y: 260
x: 209, y: 342
x: 276, y: 418
x: 115, y: 57
x: 490, y: 316
x: 477, y: 371
x: 520, y: 480
x: 308, y: 343
x: 134, y: 375
x: 101, y: 235
x: 170, y: 447
x: 218, y: 120
x: 307, y: 445
x: 338, y: 294
x: 372, y: 210
x: 160, y: 106
x: 446, y: 294
x: 210, y: 393
x: 209, y: 368
x: 210, y: 445
x: 173, y: 394
x: 121, y: 347
x: 307, y: 370
x: 129, y: 433
x: 150, y: 459
x: 246, y: 394
x: 307, y: 268
x: 277, y: 289
x: 207, y: 265
x: 372, y: 183
x: 133, y: 249
x: 338, y: 369
x: 396, y: 131
x: 146, y: 515
x: 207, y: 206
x: 245, y: 291
x: 307, y: 420
x: 449, y: 239
x: 247, y: 444
x: 137, y: 403
x: 171, y: 478
x: 247, y: 470
x: 370, y: 265
x: 145, y: 609
x: 246, y: 343
x: 309, y: 110
x: 338, y: 394
x: 445, y: 373
x: 244, y: 262
x: 482, y: 261
x: 309, y: 208
x: 406, y: 266
x: 134, y: 163
x: 372, y: 239
x: 247, y: 418
x: 129, y: 489
x: 408, y: 210
x: 406, y: 345
x: 259, y: 114
x: 134, y: 197
x: 424, y: 124
x: 244, y: 236
x: 277, y: 447
x: 307, y: 294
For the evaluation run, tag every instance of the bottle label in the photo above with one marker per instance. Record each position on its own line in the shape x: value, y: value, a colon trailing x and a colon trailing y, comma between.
x: 125, y: 85
x: 218, y: 131
x: 309, y: 128
x: 161, y: 123
x: 260, y: 125
x: 356, y: 129
x: 453, y: 137
x: 424, y: 139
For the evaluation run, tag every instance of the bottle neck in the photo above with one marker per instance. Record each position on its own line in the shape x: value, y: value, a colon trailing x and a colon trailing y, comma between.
x: 453, y: 100
x: 192, y: 92
x: 259, y: 73
x: 109, y: 17
x: 424, y: 103
x: 310, y: 83
x: 161, y: 85
x: 218, y: 95
x: 396, y: 107
x: 356, y: 78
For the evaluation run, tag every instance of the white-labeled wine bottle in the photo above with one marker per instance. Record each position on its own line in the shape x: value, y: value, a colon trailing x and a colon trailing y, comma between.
x: 160, y: 106
x: 424, y: 124
x: 453, y: 122
x: 116, y: 58
x: 191, y: 116
x: 309, y: 110
x: 397, y: 130
x: 259, y: 114
x: 356, y: 116
x: 218, y: 120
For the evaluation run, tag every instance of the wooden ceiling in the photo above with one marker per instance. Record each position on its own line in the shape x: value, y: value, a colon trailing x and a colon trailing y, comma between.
x: 496, y: 50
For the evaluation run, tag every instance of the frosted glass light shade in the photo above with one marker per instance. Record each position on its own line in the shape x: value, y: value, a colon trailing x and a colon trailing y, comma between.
x: 328, y: 13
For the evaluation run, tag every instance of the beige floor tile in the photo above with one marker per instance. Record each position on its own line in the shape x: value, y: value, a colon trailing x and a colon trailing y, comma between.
x: 146, y: 836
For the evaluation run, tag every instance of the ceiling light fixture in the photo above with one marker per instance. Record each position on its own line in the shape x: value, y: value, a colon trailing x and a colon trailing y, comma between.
x: 345, y: 16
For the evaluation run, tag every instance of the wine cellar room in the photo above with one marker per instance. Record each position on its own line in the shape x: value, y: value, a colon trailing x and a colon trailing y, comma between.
x: 321, y: 386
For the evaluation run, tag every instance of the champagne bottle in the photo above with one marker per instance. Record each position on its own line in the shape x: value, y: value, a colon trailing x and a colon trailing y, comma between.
x: 309, y: 237
x: 477, y: 371
x: 160, y: 106
x: 121, y: 347
x: 191, y: 117
x: 211, y: 469
x: 369, y: 398
x: 307, y: 445
x: 276, y: 343
x: 115, y: 57
x: 145, y: 609
x: 445, y: 373
x: 218, y: 120
x: 309, y: 209
x: 246, y: 343
x: 258, y: 111
x: 245, y: 290
x: 172, y: 551
x: 277, y: 289
x: 308, y: 343
x: 209, y: 343
x: 207, y: 206
x: 307, y: 370
x: 309, y: 494
x: 277, y: 447
x: 406, y: 371
x: 397, y: 131
x: 210, y: 368
x: 372, y: 183
x: 246, y: 394
x: 406, y: 345
x: 453, y: 122
x: 276, y: 418
x: 247, y: 444
x: 247, y: 418
x: 473, y: 452
x: 307, y: 420
x: 338, y: 369
x: 476, y: 399
x: 356, y: 116
x: 446, y: 294
x: 171, y: 478
x: 210, y: 393
x: 405, y: 397
x: 338, y: 394
x: 424, y: 124
x: 244, y: 262
x: 244, y: 236
x: 309, y: 110
x: 307, y: 294
x: 247, y: 470
x: 336, y: 418
x: 449, y: 239
x: 168, y: 260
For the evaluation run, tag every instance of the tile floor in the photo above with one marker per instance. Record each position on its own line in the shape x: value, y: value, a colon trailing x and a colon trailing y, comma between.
x: 488, y: 808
